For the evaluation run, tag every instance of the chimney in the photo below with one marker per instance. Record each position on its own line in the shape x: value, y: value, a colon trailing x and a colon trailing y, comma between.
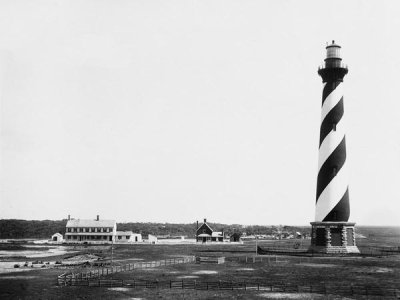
x: 97, y: 218
x: 205, y: 220
x: 197, y: 225
x: 69, y: 217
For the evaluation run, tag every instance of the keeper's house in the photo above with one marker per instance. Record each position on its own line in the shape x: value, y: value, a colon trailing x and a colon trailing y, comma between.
x: 205, y: 234
x: 90, y: 231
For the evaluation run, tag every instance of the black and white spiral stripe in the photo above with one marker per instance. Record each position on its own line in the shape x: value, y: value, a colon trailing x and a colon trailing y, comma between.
x: 332, y: 183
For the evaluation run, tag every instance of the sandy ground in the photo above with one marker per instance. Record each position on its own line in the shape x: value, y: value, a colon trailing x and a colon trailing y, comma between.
x: 80, y: 259
x: 317, y: 265
x: 18, y: 277
x: 8, y: 267
x: 53, y: 251
x: 205, y: 272
x: 374, y: 270
x: 299, y: 296
x: 187, y: 277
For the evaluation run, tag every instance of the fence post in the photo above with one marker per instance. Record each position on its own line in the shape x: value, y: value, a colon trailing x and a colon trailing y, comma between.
x: 170, y: 284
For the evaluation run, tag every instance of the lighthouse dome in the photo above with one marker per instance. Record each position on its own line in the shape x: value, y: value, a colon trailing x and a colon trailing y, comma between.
x: 333, y: 50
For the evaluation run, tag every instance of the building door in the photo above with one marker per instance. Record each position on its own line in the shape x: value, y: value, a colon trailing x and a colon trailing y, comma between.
x: 336, y: 236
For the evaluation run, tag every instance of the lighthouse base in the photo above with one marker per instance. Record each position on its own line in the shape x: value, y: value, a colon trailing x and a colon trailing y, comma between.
x: 333, y: 238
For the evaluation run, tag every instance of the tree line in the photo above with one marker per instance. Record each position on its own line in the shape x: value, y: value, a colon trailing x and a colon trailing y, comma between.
x: 25, y: 229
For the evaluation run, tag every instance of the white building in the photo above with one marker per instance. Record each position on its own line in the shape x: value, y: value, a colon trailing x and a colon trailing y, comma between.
x: 57, y: 238
x: 152, y: 239
x: 128, y: 237
x: 90, y: 231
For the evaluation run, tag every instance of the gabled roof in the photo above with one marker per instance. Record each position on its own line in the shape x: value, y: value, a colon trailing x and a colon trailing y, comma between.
x: 205, y: 225
x: 91, y: 223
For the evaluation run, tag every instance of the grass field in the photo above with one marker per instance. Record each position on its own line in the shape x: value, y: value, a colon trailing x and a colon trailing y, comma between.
x: 374, y: 272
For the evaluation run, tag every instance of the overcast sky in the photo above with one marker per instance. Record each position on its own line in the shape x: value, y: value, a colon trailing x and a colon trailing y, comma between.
x: 172, y: 111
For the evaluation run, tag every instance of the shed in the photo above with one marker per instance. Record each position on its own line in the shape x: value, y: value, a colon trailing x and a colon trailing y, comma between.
x: 152, y: 239
x: 236, y: 237
x: 127, y: 237
x: 57, y: 238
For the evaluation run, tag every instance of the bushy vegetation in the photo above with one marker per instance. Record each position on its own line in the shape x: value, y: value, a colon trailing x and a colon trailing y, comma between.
x: 23, y: 229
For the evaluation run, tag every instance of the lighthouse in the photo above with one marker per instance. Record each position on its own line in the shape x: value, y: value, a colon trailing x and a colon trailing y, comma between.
x: 331, y: 231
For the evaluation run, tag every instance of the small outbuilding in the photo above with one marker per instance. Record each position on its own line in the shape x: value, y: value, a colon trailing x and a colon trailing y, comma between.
x: 152, y: 239
x: 128, y: 237
x: 235, y: 237
x: 57, y: 238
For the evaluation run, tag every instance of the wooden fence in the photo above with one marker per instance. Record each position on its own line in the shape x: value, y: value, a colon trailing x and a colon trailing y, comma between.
x: 67, y: 278
x: 364, y: 251
x: 210, y: 260
x: 343, y: 290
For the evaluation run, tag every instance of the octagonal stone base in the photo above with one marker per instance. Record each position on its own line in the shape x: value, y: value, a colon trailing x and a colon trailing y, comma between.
x: 333, y: 238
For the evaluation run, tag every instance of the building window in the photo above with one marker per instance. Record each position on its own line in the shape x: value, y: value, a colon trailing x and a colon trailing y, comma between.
x: 119, y: 237
x: 127, y: 237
